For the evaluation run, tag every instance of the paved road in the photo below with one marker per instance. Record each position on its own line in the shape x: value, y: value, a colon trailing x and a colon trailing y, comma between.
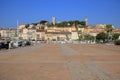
x: 61, y: 62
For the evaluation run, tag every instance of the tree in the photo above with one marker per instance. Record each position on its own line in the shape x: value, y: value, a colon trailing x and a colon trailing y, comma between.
x: 34, y: 24
x: 109, y: 28
x: 102, y: 36
x: 43, y: 22
x: 89, y: 37
x: 76, y: 22
x: 69, y: 23
x: 80, y: 36
x: 63, y: 24
x: 50, y: 25
x: 82, y: 23
x: 27, y: 25
x: 116, y: 36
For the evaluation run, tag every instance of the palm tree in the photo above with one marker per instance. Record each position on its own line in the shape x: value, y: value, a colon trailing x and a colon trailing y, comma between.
x: 108, y: 29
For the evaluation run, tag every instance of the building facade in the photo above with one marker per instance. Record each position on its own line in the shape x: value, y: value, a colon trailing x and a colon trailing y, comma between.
x: 8, y: 33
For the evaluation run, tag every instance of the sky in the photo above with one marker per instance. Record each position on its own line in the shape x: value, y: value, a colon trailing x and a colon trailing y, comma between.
x: 32, y: 11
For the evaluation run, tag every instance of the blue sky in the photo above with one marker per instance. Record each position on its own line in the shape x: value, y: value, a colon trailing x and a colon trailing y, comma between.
x: 29, y: 11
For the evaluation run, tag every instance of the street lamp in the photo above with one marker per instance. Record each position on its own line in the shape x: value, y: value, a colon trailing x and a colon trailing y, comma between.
x: 17, y: 29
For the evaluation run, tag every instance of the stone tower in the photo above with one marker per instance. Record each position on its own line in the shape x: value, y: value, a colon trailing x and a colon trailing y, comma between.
x: 53, y: 20
x: 86, y: 21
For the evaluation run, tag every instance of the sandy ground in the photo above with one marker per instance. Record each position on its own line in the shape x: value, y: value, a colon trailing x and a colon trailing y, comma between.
x: 61, y: 62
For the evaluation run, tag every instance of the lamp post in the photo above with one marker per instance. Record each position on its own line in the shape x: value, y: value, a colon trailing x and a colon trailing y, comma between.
x: 17, y: 29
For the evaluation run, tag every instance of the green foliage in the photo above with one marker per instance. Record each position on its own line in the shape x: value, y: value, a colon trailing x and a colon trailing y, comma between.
x: 50, y: 25
x: 76, y: 22
x: 27, y: 25
x: 82, y: 23
x: 109, y: 27
x: 62, y: 24
x: 43, y: 22
x: 81, y: 26
x: 34, y: 24
x: 116, y: 36
x: 88, y: 37
x: 102, y: 36
x: 71, y: 23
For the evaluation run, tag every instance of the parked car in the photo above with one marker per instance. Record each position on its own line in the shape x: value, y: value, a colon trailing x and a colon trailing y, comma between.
x: 4, y: 45
x: 15, y: 44
x: 28, y: 43
x: 20, y: 43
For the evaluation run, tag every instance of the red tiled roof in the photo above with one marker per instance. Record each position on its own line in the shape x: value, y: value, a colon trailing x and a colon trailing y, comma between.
x: 58, y: 32
x: 118, y: 30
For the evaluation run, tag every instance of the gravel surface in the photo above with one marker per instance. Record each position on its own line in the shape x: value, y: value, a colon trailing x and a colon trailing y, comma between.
x: 67, y: 51
x: 87, y: 70
x: 60, y: 62
x: 90, y: 71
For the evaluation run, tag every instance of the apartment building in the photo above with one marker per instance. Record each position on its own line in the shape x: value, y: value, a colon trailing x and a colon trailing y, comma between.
x: 9, y: 33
